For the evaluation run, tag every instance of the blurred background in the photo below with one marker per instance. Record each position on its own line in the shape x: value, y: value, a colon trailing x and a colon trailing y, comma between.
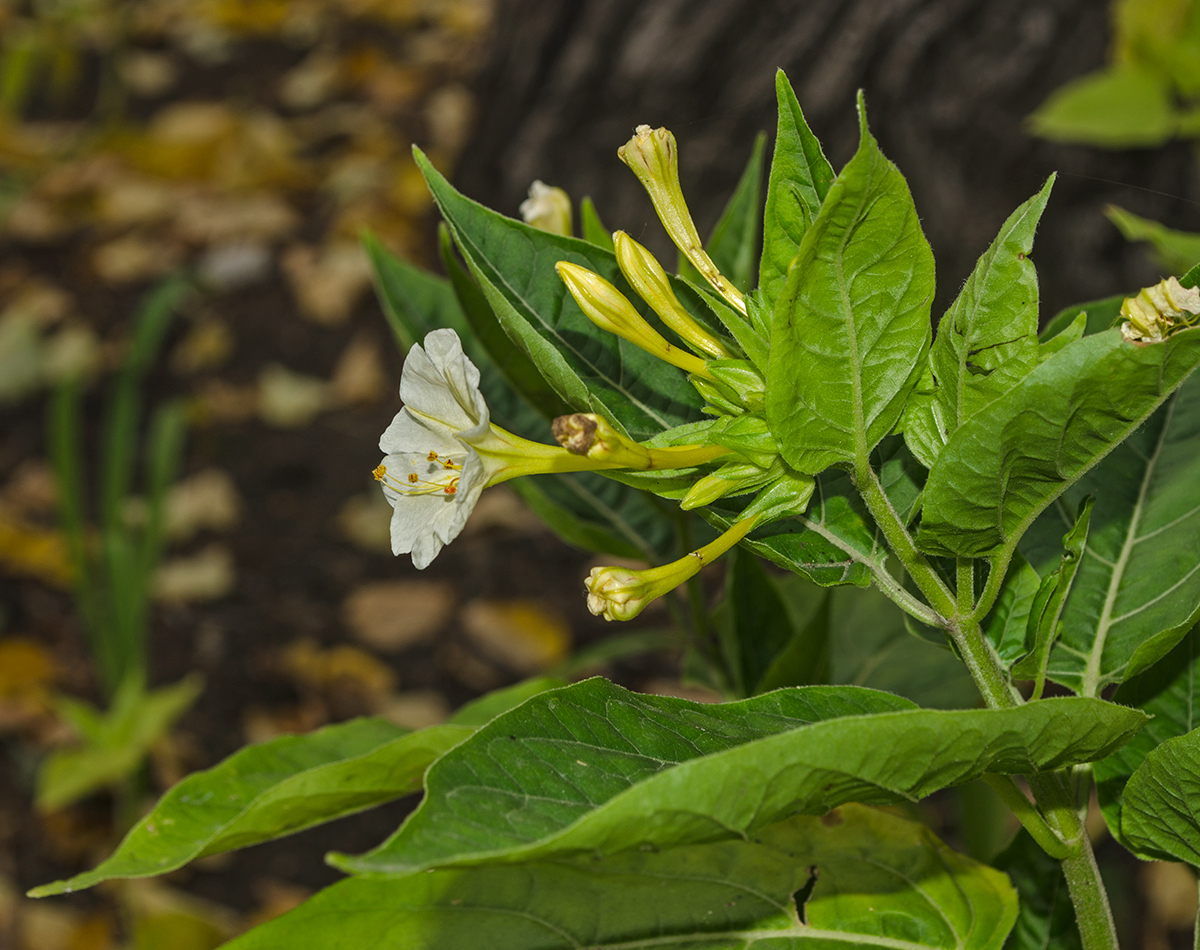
x: 194, y: 371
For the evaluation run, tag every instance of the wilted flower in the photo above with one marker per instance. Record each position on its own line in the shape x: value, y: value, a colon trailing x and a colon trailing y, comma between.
x: 1156, y: 311
x: 548, y: 209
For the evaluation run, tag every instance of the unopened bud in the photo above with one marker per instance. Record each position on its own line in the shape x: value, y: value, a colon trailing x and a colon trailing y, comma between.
x: 732, y: 478
x: 593, y: 436
x: 610, y: 310
x: 617, y: 593
x: 653, y: 157
x: 1157, y: 311
x: 547, y: 209
x: 647, y: 277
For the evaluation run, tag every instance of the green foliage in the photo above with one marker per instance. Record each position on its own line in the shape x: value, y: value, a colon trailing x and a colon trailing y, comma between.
x: 1175, y: 251
x: 986, y: 342
x: 558, y: 775
x: 1002, y: 468
x: 852, y: 322
x: 1046, y: 920
x: 855, y: 877
x: 1162, y: 801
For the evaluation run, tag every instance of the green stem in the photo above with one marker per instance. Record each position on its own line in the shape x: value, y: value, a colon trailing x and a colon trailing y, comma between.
x: 964, y: 581
x: 1029, y: 817
x: 1083, y: 876
x: 1092, y: 911
x: 901, y: 542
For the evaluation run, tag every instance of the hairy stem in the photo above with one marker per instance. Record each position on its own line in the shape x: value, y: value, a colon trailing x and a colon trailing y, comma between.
x: 1031, y: 819
x: 962, y: 625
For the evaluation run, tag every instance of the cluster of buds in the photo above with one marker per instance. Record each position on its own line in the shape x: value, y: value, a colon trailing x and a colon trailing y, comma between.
x: 1156, y: 312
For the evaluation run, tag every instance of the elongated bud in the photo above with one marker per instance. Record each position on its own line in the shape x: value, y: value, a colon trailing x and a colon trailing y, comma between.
x: 1157, y: 311
x: 594, y: 437
x: 647, y: 277
x: 617, y: 593
x: 547, y: 209
x: 609, y: 309
x: 728, y: 479
x: 653, y: 157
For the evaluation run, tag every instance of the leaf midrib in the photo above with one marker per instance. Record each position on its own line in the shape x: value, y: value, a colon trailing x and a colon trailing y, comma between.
x: 1092, y: 673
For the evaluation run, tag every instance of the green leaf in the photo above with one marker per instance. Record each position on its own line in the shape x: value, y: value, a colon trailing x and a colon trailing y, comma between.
x: 1046, y: 919
x: 593, y: 228
x: 273, y: 789
x: 988, y: 338
x: 1170, y: 692
x: 562, y: 774
x: 1137, y: 590
x: 733, y: 244
x: 414, y: 301
x: 857, y: 877
x: 1008, y: 462
x: 590, y: 369
x: 1007, y: 622
x: 1044, y: 623
x: 852, y: 323
x: 115, y: 743
x: 1160, y: 817
x: 799, y: 181
x: 1111, y: 108
x: 1174, y: 251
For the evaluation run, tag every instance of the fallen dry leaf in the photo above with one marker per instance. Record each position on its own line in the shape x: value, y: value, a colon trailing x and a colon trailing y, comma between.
x: 31, y: 489
x: 235, y: 264
x: 290, y: 400
x: 207, y: 575
x: 147, y: 73
x: 220, y: 401
x: 27, y: 673
x: 359, y: 377
x: 396, y: 615
x: 448, y: 112
x: 207, y: 345
x: 33, y: 551
x: 365, y: 520
x: 417, y: 709
x: 207, y: 500
x: 74, y: 352
x: 133, y: 258
x: 136, y: 199
x: 523, y: 635
x: 327, y: 282
x: 207, y: 218
x: 345, y: 680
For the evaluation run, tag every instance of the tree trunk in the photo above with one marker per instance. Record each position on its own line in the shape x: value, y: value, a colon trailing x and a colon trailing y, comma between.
x: 948, y: 85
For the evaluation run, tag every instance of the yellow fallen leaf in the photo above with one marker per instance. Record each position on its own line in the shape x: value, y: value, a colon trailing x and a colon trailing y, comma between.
x: 339, y: 669
x: 27, y: 670
x: 33, y: 551
x: 136, y: 199
x: 314, y: 81
x: 207, y: 218
x: 524, y: 635
x: 396, y: 615
x: 207, y: 345
x: 207, y: 575
x: 417, y: 709
x: 74, y: 352
x: 290, y: 400
x: 148, y: 73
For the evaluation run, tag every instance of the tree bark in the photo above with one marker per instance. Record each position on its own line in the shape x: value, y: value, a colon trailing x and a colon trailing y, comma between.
x: 948, y: 83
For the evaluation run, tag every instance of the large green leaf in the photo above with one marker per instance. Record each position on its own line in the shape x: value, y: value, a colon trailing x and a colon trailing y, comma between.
x: 595, y: 768
x: 856, y: 877
x: 799, y: 180
x: 1170, y: 692
x: 852, y: 322
x: 988, y: 338
x: 414, y: 301
x: 1137, y: 589
x: 272, y: 789
x: 1046, y: 919
x: 592, y: 370
x: 1160, y: 814
x: 1112, y: 108
x: 1009, y: 461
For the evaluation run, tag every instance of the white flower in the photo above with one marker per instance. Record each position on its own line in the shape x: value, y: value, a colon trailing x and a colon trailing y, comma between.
x: 432, y: 475
x: 548, y: 209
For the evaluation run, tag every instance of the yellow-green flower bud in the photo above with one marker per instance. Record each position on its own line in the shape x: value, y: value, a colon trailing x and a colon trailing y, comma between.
x: 653, y: 157
x: 731, y: 478
x: 547, y: 209
x: 593, y: 436
x: 609, y: 309
x: 617, y: 593
x: 647, y: 277
x: 1157, y: 311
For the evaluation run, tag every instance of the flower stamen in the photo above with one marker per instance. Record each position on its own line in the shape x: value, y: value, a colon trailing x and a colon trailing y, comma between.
x: 430, y: 485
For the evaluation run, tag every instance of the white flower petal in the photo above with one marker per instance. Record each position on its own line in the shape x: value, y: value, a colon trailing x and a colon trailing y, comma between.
x: 439, y: 382
x: 411, y: 434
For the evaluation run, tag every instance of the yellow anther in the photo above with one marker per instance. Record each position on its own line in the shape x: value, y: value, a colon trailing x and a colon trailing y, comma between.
x: 413, y: 477
x: 380, y: 472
